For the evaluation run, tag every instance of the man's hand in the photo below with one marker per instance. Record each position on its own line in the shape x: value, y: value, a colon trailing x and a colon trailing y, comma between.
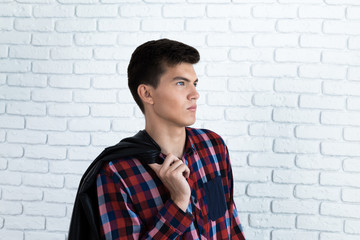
x: 173, y: 173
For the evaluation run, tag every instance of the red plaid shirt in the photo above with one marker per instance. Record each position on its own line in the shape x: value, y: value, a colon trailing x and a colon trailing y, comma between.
x: 134, y: 203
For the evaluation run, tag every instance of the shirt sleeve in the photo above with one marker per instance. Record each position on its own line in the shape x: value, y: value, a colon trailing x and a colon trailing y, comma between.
x: 236, y: 228
x: 120, y: 220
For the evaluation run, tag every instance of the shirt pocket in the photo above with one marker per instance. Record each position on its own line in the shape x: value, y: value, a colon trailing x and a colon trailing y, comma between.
x: 215, y: 198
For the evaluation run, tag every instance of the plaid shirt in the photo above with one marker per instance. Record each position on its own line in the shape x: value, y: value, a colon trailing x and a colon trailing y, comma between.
x: 134, y: 203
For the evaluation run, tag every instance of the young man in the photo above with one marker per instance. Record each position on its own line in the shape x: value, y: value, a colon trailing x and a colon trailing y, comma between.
x: 187, y: 191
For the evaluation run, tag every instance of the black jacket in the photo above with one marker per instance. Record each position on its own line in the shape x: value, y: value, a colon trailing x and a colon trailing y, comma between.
x: 85, y: 219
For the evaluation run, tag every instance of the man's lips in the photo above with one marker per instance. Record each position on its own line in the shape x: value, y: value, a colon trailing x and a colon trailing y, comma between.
x: 192, y: 108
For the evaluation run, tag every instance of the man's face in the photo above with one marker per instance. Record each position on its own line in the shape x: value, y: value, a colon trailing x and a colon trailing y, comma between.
x: 176, y: 95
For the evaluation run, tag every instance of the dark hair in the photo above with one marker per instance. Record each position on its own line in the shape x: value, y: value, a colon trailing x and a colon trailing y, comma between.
x: 150, y: 60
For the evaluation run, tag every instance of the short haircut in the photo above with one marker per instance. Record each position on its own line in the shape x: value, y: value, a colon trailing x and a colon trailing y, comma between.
x: 151, y: 59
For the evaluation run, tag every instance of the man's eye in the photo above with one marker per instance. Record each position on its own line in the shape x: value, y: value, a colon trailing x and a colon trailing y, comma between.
x: 180, y: 83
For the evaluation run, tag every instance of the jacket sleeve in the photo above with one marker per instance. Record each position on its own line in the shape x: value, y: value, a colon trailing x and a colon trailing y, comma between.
x: 236, y: 228
x: 120, y: 220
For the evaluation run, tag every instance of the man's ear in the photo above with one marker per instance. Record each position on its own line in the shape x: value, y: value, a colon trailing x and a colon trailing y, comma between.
x: 145, y: 93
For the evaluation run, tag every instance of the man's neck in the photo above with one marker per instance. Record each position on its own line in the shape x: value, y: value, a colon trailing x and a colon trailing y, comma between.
x: 170, y: 139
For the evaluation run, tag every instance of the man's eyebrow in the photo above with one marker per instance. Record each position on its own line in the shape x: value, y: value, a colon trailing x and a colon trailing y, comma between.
x: 184, y: 79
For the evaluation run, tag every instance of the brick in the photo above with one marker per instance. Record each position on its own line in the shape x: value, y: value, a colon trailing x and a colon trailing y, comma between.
x: 319, y: 223
x: 322, y: 102
x: 323, y: 41
x: 68, y: 110
x: 294, y: 206
x: 3, y: 51
x: 213, y: 54
x: 297, y: 86
x: 298, y: 26
x: 26, y: 108
x: 15, y: 10
x: 294, y: 176
x: 67, y: 138
x: 11, y: 151
x: 322, y: 12
x: 57, y: 224
x: 78, y: 25
x: 271, y: 160
x: 95, y: 96
x: 146, y: 10
x: 26, y: 136
x: 340, y: 149
x: 248, y: 114
x: 98, y: 39
x: 274, y: 11
x: 271, y: 130
x: 59, y: 11
x: 10, y: 234
x: 25, y: 223
x: 47, y: 123
x: 252, y: 25
x: 44, y: 209
x: 43, y: 180
x: 47, y: 152
x: 352, y: 226
x: 350, y: 195
x: 341, y: 57
x: 339, y: 179
x: 341, y: 27
x: 317, y: 192
x: 29, y: 165
x: 253, y: 144
x: 108, y: 82
x: 22, y: 193
x: 36, y: 25
x: 336, y: 236
x: 318, y: 132
x: 129, y: 25
x: 352, y: 165
x: 228, y: 11
x: 95, y: 67
x: 27, y: 80
x: 44, y: 236
x: 77, y: 1
x: 10, y: 178
x: 14, y: 93
x: 340, y: 118
x: 72, y: 181
x: 252, y: 205
x: 340, y: 210
x: 52, y: 95
x: 354, y: 43
x: 15, y: 38
x: 322, y: 71
x: 227, y: 69
x: 6, y: 24
x: 318, y: 162
x: 227, y: 128
x: 52, y: 67
x: 15, y: 66
x: 110, y: 110
x: 107, y: 139
x: 297, y: 55
x: 29, y: 52
x: 12, y: 122
x: 252, y: 54
x: 354, y: 73
x: 69, y: 82
x: 111, y: 53
x: 276, y: 100
x: 229, y: 40
x: 293, y: 234
x: 210, y: 113
x: 59, y: 196
x: 52, y: 39
x: 180, y: 10
x: 229, y: 99
x: 66, y: 167
x: 290, y: 115
x: 276, y: 40
x: 247, y: 84
x: 274, y: 70
x: 295, y: 146
x: 269, y: 190
x: 271, y: 221
x: 122, y: 125
x: 89, y: 125
x: 352, y: 134
x: 338, y: 2
x: 212, y: 25
x: 242, y: 174
x: 154, y: 25
x: 96, y: 11
x: 84, y: 153
x: 70, y: 53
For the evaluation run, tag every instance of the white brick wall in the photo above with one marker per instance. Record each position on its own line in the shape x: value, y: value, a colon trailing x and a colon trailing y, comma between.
x: 279, y: 80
